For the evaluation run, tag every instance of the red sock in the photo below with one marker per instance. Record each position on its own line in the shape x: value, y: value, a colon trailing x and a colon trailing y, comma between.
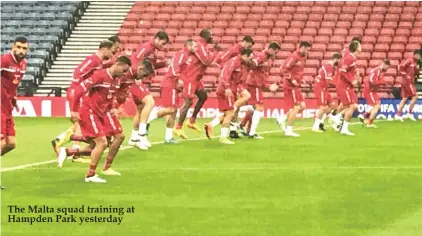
x: 192, y: 120
x: 91, y: 170
x: 399, y: 113
x: 108, y: 162
x: 410, y: 110
x: 246, y: 119
x: 179, y: 126
x: 78, y: 138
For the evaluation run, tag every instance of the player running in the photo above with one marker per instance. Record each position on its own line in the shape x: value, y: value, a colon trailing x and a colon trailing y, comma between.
x: 230, y: 82
x: 256, y: 83
x: 193, y: 86
x: 97, y: 117
x: 344, y: 85
x: 246, y: 43
x: 13, y: 66
x: 171, y: 87
x: 322, y: 94
x: 408, y: 68
x: 83, y: 71
x: 376, y: 78
x: 292, y: 75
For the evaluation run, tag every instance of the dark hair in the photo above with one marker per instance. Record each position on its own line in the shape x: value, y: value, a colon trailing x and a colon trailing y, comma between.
x: 305, y: 44
x: 353, y: 46
x: 386, y: 61
x: 189, y: 42
x: 417, y: 52
x: 359, y: 39
x: 106, y: 44
x: 205, y: 34
x: 148, y: 68
x: 246, y: 51
x: 336, y: 55
x: 114, y: 39
x: 274, y: 46
x: 20, y: 39
x: 248, y: 39
x: 124, y: 60
x: 161, y: 35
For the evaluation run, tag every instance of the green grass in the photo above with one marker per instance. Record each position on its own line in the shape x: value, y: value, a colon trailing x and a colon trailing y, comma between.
x: 316, y: 185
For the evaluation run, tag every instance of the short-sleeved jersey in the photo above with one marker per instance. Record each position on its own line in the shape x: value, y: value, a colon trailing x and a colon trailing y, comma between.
x: 198, y: 63
x: 232, y: 74
x: 376, y: 78
x: 12, y: 73
x: 86, y: 69
x: 177, y: 68
x: 325, y: 76
x: 408, y: 68
x: 258, y: 75
x: 101, y: 88
x: 293, y: 67
x: 347, y: 71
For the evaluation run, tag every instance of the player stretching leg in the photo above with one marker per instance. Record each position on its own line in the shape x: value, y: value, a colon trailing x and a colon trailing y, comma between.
x: 193, y: 85
x: 256, y: 82
x: 345, y: 83
x: 13, y: 66
x: 370, y: 93
x: 170, y: 87
x: 230, y: 78
x: 292, y: 71
x: 96, y: 116
x: 82, y: 72
x: 322, y: 94
x: 144, y: 104
x: 408, y: 68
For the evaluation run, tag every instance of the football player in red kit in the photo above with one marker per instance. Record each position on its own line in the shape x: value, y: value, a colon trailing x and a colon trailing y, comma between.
x: 13, y: 66
x: 193, y: 85
x: 230, y: 82
x: 408, y: 68
x: 292, y: 74
x: 256, y: 83
x: 97, y: 117
x: 322, y: 94
x: 171, y: 87
x: 83, y: 71
x: 345, y: 85
x: 376, y: 78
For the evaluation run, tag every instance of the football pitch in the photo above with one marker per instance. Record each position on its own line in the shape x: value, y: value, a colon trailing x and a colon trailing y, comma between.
x: 316, y: 185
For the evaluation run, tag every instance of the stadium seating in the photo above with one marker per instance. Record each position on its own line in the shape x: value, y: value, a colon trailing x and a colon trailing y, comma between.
x: 46, y: 25
x: 388, y: 28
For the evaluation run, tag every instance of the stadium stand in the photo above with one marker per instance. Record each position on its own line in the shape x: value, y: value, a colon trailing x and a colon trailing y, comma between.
x: 63, y: 33
x: 47, y: 25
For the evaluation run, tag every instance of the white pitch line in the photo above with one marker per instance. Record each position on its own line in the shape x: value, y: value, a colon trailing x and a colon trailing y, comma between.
x: 130, y: 147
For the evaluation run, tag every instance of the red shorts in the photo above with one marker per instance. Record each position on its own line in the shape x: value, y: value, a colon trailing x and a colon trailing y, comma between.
x: 293, y: 97
x: 225, y: 103
x: 7, y: 126
x: 170, y: 97
x: 371, y: 98
x: 138, y: 93
x: 190, y: 87
x: 93, y: 126
x: 408, y: 90
x: 322, y: 96
x: 347, y: 96
x: 257, y: 97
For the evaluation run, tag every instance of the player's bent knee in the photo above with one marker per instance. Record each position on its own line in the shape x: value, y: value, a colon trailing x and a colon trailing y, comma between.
x: 101, y: 142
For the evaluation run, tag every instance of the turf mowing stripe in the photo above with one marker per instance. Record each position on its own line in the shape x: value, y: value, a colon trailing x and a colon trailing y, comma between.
x: 155, y: 143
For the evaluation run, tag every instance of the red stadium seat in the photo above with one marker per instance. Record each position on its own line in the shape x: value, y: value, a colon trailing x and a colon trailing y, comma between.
x: 406, y: 25
x: 366, y: 47
x: 163, y: 17
x: 159, y: 24
x: 337, y: 39
x: 260, y: 39
x: 236, y: 24
x: 172, y: 32
x: 248, y: 31
x: 266, y: 24
x: 328, y: 24
x: 346, y: 17
x: 380, y: 10
x: 343, y: 24
x: 315, y: 17
x: 334, y: 47
x: 410, y: 9
x: 228, y: 39
x: 330, y: 17
x: 315, y: 55
x: 125, y: 31
x: 321, y: 39
x: 390, y: 24
x: 307, y: 38
x: 379, y: 55
x: 287, y: 47
x: 227, y: 9
x: 413, y: 4
x: 319, y: 47
x: 356, y: 32
x: 372, y: 32
x: 341, y: 32
x: 349, y: 10
x: 275, y: 38
x: 412, y: 47
x: 284, y: 54
x: 395, y: 55
x: 392, y: 17
x: 415, y: 39
x: 415, y: 32
x: 198, y: 9
x: 418, y: 24
x: 384, y: 39
x: 258, y: 9
x: 384, y: 4
x: 288, y: 9
x: 279, y: 31
x: 232, y: 32
x: 404, y: 32
x: 364, y: 10
x: 397, y: 47
x: 205, y: 24
x: 132, y: 17
x: 303, y: 9
x: 381, y: 47
x: 291, y: 39
x: 297, y: 24
x: 300, y: 17
x: 190, y: 24
x: 263, y: 31
x: 367, y: 4
x: 243, y: 9
x: 167, y: 9
x: 362, y: 17
x: 181, y: 38
x: 318, y: 9
x: 358, y: 24
x: 216, y: 32
x: 252, y: 24
x: 309, y: 32
x: 273, y: 9
x: 259, y: 17
x: 294, y: 31
x: 368, y: 39
x: 395, y: 10
x: 400, y: 39
x: 221, y: 24
x: 181, y: 17
x: 130, y: 24
x: 175, y: 24
x: 376, y: 17
x: 375, y: 24
x: 212, y: 9
x: 333, y: 10
x: 282, y: 24
x: 312, y: 24
x: 365, y: 55
x: 182, y: 9
x: 239, y: 17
